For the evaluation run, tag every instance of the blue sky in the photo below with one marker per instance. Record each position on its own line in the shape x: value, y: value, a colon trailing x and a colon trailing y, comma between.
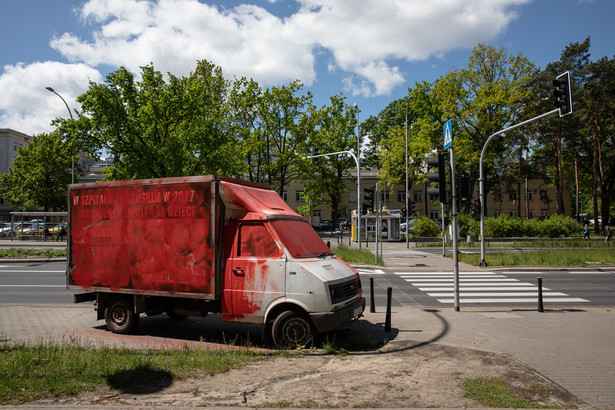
x: 369, y: 50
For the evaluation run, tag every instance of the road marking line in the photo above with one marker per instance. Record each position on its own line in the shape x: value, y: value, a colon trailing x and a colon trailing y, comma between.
x: 506, y: 294
x: 370, y: 271
x: 511, y: 300
x: 462, y: 280
x: 463, y: 288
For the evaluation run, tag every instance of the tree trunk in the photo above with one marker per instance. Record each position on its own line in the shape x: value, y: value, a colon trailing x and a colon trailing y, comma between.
x: 595, y: 174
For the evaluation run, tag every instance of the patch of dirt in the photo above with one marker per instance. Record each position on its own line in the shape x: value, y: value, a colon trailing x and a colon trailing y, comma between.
x: 399, y: 374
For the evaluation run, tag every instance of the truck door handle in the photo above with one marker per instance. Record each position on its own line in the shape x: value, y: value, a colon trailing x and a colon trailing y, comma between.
x: 239, y: 272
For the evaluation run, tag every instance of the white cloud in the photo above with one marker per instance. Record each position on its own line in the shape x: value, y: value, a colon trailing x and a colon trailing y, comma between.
x: 363, y: 36
x: 27, y: 106
x: 364, y: 41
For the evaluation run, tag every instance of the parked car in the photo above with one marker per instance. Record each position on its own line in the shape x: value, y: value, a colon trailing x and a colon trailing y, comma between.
x: 7, y: 231
x: 328, y: 225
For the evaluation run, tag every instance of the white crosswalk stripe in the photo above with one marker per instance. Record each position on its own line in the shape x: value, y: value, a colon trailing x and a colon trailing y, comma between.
x: 370, y: 271
x: 482, y: 287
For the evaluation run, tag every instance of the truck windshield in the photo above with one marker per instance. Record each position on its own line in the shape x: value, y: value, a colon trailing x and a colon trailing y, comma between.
x: 300, y: 238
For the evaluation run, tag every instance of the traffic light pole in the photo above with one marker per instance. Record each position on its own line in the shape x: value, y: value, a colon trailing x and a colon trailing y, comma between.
x: 481, y: 179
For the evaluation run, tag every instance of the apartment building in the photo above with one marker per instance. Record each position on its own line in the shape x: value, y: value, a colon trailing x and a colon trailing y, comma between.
x: 537, y: 199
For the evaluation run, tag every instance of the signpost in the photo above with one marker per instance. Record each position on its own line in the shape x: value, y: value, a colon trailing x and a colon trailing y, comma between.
x: 448, y: 144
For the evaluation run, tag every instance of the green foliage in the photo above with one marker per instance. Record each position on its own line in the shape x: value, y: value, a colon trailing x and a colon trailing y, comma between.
x: 425, y: 227
x: 555, y: 226
x: 155, y: 129
x: 40, y: 174
x: 567, y: 257
x: 350, y: 255
x: 325, y: 178
x: 498, y: 392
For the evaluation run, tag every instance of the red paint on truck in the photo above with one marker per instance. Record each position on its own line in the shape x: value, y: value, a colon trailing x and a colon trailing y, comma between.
x: 142, y: 236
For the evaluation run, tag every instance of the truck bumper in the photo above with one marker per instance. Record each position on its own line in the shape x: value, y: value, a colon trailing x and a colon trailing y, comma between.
x: 325, y: 322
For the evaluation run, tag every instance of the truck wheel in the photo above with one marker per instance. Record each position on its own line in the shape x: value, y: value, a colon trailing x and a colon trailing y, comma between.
x: 120, y: 317
x: 292, y: 329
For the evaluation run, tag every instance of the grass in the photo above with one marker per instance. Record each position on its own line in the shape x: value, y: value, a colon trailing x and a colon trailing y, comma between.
x: 350, y: 255
x: 568, y: 257
x: 26, y: 252
x: 33, y: 373
x: 497, y: 392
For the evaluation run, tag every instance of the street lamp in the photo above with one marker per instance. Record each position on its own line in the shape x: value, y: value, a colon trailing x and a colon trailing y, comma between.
x: 407, y: 204
x: 358, y: 159
x: 72, y: 171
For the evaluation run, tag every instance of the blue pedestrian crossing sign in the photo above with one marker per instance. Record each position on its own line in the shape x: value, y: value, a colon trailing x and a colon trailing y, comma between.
x: 448, y: 134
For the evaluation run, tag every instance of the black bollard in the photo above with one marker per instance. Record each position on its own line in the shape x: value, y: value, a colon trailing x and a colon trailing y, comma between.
x: 372, y: 300
x: 387, y: 321
x: 540, y: 305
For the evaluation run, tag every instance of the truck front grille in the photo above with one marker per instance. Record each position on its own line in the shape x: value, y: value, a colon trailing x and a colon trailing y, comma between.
x: 344, y: 291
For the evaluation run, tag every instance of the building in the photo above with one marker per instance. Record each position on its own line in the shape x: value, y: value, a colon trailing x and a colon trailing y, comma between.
x: 10, y: 142
x: 537, y: 199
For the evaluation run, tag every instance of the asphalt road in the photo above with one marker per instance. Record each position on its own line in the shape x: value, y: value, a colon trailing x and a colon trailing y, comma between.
x: 494, y: 287
x: 44, y: 283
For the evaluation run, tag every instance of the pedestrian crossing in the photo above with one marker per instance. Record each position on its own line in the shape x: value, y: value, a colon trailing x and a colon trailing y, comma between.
x: 482, y: 287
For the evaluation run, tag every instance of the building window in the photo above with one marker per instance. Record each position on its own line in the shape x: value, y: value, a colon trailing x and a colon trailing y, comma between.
x: 285, y: 196
x: 300, y: 196
x: 434, y: 215
x: 544, y: 213
x: 352, y: 196
x: 530, y: 214
x: 513, y: 214
x: 386, y: 196
x: 530, y: 196
x: 498, y: 213
x: 512, y: 197
x: 401, y: 196
x: 543, y: 195
x: 417, y: 196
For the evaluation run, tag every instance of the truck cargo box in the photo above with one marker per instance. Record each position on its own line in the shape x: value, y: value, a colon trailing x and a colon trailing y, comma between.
x: 156, y: 237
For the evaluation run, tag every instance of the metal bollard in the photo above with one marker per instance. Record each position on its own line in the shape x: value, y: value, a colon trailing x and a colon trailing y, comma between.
x: 387, y: 321
x: 540, y: 305
x: 372, y: 300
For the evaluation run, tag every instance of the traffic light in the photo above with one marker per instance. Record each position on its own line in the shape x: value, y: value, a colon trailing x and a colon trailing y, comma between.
x: 439, y: 177
x: 369, y: 199
x: 562, y: 94
x: 403, y: 212
x: 464, y: 188
x: 411, y: 207
x: 477, y: 206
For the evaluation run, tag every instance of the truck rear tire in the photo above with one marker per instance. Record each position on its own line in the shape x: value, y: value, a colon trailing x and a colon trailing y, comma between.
x: 293, y: 330
x: 120, y: 317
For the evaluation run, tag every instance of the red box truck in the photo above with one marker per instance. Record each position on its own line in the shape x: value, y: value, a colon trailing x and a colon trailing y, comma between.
x: 190, y: 246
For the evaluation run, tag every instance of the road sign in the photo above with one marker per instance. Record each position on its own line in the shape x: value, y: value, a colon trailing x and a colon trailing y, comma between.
x: 448, y: 134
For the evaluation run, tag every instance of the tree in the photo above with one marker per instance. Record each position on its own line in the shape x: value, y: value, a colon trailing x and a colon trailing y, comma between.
x: 424, y: 135
x: 560, y: 140
x: 481, y: 99
x: 154, y: 129
x: 284, y: 126
x: 40, y: 174
x: 601, y: 121
x: 324, y: 178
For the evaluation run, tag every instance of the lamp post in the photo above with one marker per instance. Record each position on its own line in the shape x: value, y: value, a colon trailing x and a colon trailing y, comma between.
x: 358, y: 159
x: 72, y: 170
x: 407, y: 203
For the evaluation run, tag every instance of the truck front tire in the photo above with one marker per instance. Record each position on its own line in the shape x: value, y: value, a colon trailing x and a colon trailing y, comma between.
x: 293, y: 330
x: 120, y: 317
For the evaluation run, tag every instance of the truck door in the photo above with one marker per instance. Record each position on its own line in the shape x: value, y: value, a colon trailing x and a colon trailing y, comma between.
x: 255, y: 272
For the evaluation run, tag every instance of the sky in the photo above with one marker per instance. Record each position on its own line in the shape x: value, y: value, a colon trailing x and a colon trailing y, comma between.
x: 371, y: 51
